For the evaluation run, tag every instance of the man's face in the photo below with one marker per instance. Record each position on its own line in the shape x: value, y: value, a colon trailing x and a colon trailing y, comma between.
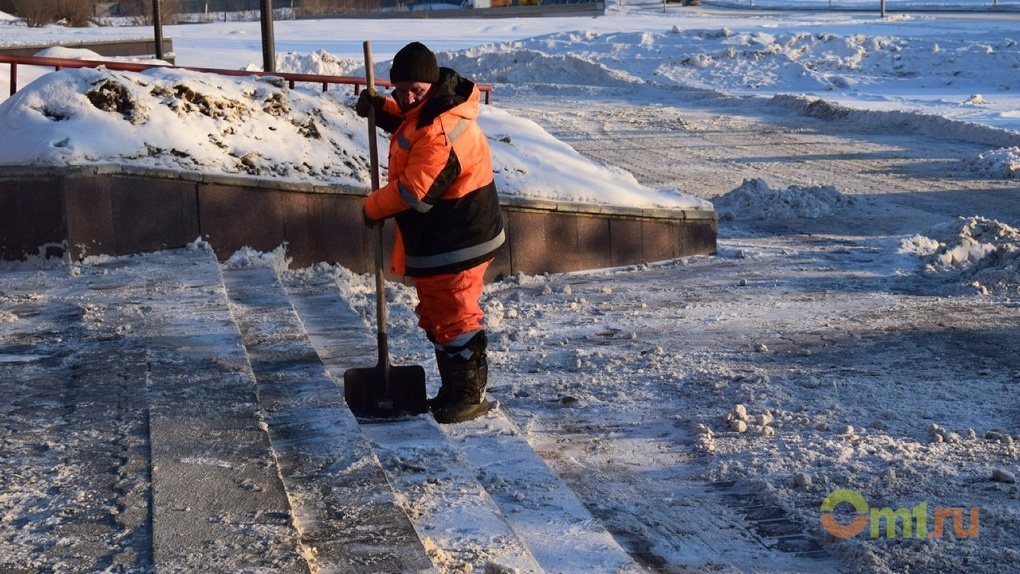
x: 410, y: 94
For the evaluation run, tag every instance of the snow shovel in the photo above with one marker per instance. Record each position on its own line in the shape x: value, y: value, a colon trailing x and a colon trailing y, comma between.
x: 383, y: 391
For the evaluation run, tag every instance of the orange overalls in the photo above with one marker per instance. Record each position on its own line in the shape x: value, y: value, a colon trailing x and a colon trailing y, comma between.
x: 442, y: 194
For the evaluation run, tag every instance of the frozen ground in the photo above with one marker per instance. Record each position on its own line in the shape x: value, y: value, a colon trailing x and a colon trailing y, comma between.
x: 863, y: 354
x: 857, y: 330
x: 863, y: 358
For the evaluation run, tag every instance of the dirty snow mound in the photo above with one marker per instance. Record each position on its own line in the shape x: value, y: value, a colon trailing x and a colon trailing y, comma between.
x: 1002, y: 163
x: 981, y: 251
x: 180, y: 119
x: 754, y: 199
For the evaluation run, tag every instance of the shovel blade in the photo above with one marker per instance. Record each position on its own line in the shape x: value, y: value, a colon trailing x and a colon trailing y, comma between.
x: 370, y: 396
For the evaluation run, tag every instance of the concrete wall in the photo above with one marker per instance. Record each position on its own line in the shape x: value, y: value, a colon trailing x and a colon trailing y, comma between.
x: 117, y: 210
x: 141, y: 47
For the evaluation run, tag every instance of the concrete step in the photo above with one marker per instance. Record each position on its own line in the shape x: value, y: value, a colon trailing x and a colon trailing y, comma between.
x: 458, y: 520
x: 541, y: 508
x: 184, y: 416
x: 468, y: 486
x: 131, y: 430
x: 345, y: 510
x: 219, y: 503
x: 74, y: 450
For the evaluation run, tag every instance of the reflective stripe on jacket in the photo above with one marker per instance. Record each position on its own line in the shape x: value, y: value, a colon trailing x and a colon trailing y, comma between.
x: 441, y: 188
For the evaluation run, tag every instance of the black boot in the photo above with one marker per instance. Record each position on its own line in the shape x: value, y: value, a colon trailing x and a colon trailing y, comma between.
x: 466, y: 379
x: 445, y: 394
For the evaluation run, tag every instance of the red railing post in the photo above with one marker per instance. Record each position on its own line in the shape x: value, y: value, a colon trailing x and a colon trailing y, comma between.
x: 14, y: 78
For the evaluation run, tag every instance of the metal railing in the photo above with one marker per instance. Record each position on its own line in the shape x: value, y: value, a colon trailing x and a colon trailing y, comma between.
x: 291, y: 78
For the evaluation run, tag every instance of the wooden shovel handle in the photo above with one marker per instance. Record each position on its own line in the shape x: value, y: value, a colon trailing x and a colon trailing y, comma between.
x: 380, y: 287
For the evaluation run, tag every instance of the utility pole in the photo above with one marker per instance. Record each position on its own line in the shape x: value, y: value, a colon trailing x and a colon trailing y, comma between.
x: 157, y: 23
x: 268, y: 43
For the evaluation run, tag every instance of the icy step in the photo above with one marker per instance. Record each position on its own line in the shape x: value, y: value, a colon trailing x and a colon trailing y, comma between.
x: 218, y: 501
x: 346, y: 511
x: 460, y: 524
x: 73, y: 422
x: 560, y: 531
x: 455, y: 472
x: 138, y: 409
x: 454, y: 515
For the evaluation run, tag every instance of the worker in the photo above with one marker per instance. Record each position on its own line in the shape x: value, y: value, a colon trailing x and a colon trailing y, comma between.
x: 442, y: 195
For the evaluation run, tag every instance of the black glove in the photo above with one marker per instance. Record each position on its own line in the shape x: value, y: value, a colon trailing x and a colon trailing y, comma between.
x: 369, y: 98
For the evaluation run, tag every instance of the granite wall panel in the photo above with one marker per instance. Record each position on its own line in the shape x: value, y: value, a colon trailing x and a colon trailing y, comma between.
x: 129, y: 213
x: 31, y: 218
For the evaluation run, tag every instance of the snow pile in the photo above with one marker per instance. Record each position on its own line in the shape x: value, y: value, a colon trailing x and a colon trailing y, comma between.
x: 524, y: 63
x: 247, y: 257
x: 529, y: 161
x: 86, y: 54
x: 978, y: 250
x: 181, y: 120
x: 868, y: 68
x: 318, y: 62
x: 732, y: 61
x: 1002, y: 163
x: 754, y: 199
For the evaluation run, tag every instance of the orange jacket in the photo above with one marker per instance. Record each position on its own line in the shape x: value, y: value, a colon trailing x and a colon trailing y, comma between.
x: 441, y: 189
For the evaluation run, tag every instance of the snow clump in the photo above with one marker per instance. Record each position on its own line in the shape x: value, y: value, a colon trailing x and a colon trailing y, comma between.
x: 754, y: 199
x: 978, y: 250
x: 1002, y: 163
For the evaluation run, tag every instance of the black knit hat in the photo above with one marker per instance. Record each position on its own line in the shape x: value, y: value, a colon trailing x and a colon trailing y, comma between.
x: 414, y: 63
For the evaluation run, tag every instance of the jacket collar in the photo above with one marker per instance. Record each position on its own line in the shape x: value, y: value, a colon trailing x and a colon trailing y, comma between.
x: 451, y: 91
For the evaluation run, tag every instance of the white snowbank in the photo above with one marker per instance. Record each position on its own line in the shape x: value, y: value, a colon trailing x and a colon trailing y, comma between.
x: 176, y: 119
x: 86, y: 54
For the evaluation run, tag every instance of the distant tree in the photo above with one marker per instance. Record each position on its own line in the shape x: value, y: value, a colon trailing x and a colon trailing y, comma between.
x: 320, y: 7
x: 38, y: 13
x: 35, y: 13
x: 141, y: 10
x: 76, y: 13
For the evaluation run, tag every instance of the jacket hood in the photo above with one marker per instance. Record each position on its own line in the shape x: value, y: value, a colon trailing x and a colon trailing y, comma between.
x: 453, y: 92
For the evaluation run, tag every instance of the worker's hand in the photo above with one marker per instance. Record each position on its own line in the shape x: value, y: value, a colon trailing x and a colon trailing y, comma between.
x: 368, y: 99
